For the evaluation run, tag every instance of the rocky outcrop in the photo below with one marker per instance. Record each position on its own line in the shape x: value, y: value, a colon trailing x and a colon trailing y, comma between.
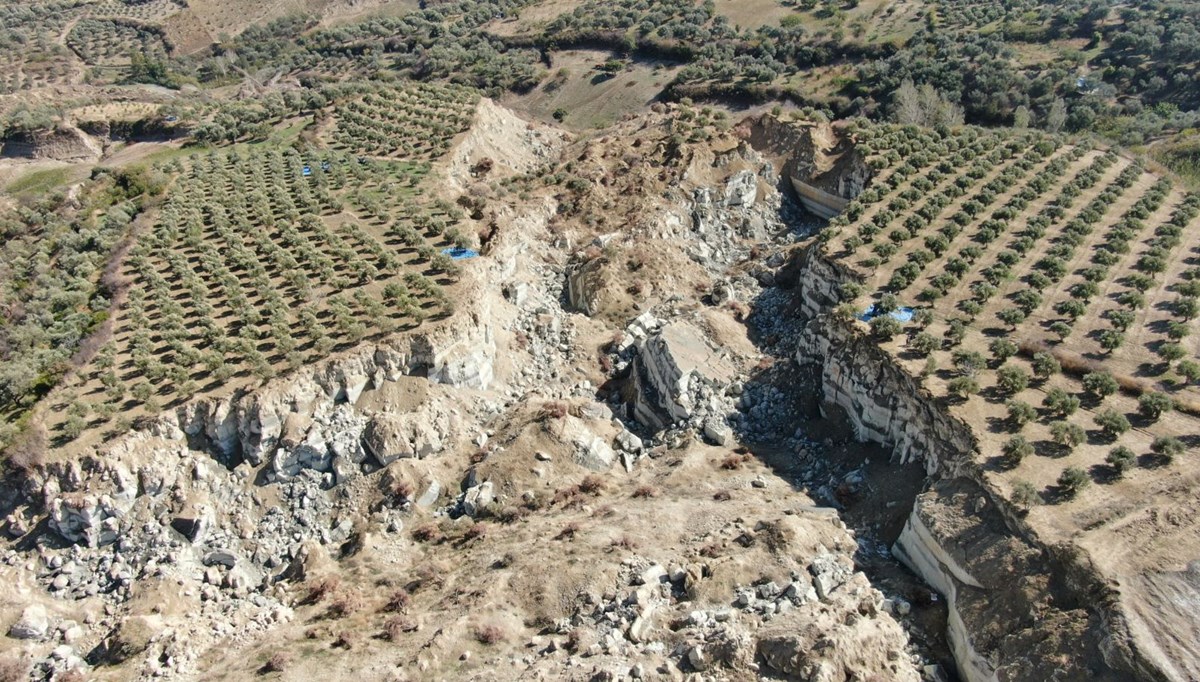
x: 250, y: 427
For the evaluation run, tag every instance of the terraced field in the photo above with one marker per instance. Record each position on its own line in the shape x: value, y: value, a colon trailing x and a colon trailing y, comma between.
x: 1047, y: 293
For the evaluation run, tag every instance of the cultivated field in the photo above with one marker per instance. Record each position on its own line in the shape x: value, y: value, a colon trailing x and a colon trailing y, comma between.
x: 267, y: 256
x: 1048, y: 293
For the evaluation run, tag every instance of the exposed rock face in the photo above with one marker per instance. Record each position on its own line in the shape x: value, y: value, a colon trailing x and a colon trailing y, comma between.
x: 671, y: 363
x: 957, y: 538
x: 882, y: 402
x: 250, y: 428
x: 1000, y: 628
x: 825, y: 168
x: 583, y: 284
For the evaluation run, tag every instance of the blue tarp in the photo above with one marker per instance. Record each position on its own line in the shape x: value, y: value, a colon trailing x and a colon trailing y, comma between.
x: 902, y: 314
x: 458, y: 253
x: 306, y: 171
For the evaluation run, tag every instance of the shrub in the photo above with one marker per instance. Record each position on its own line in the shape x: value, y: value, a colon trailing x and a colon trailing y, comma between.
x: 1171, y: 352
x: 885, y: 327
x: 1045, y: 365
x: 1111, y: 339
x: 1167, y: 447
x: 968, y: 362
x: 1060, y: 402
x: 1072, y: 480
x: 1100, y: 384
x: 1020, y: 413
x: 1153, y: 405
x: 1012, y: 379
x: 924, y: 343
x: 1189, y: 370
x: 962, y: 387
x: 1002, y: 349
x: 1016, y: 449
x: 1067, y: 434
x: 1011, y: 316
x: 1112, y: 422
x: 1061, y: 329
x: 1025, y: 495
x: 1121, y: 459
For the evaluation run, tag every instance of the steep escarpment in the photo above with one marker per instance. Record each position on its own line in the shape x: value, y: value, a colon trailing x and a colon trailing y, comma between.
x: 1018, y: 609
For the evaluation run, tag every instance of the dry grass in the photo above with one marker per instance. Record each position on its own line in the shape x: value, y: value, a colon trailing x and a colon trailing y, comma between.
x: 13, y: 670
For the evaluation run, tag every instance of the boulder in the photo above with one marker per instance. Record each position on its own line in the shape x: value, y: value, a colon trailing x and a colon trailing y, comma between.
x: 593, y: 453
x: 33, y: 623
x: 389, y: 437
x: 717, y: 431
x: 478, y: 498
x: 742, y: 189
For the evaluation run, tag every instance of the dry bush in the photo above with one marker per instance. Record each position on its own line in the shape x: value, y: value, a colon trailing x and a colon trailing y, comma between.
x: 604, y: 512
x: 277, y: 663
x: 734, y: 461
x: 490, y: 634
x: 624, y: 542
x: 509, y: 514
x: 428, y: 532
x: 739, y: 310
x: 591, y: 484
x: 1187, y: 406
x: 72, y: 675
x: 476, y: 531
x: 345, y: 604
x: 568, y: 531
x: 554, y: 409
x: 399, y: 601
x: 401, y: 489
x: 722, y: 496
x: 566, y: 496
x: 645, y: 492
x: 324, y: 588
x: 28, y: 452
x: 396, y: 626
x: 427, y: 575
x: 606, y: 363
x: 574, y: 640
x: 344, y: 640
